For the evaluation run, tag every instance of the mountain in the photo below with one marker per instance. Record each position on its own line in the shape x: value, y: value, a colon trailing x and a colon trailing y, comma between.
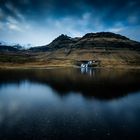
x: 10, y: 48
x: 106, y: 40
x: 6, y: 48
x: 62, y: 41
x: 90, y: 41
x: 105, y: 49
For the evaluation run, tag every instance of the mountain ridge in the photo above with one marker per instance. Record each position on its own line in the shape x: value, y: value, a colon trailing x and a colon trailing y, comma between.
x: 106, y: 48
x: 90, y: 40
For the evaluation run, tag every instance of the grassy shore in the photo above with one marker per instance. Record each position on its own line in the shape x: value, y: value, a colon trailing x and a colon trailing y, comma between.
x: 60, y: 58
x: 53, y: 65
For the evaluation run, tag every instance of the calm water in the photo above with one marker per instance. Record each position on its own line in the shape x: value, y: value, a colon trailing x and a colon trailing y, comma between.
x: 69, y: 104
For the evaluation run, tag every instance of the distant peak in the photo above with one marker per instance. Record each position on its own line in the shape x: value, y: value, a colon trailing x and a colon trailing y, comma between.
x: 62, y: 36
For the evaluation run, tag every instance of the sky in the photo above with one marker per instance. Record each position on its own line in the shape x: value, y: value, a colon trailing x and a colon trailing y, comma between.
x: 38, y: 22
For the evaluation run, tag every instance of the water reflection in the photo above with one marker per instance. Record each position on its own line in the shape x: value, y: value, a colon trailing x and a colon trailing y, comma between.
x: 67, y: 104
x: 89, y: 71
x: 98, y: 83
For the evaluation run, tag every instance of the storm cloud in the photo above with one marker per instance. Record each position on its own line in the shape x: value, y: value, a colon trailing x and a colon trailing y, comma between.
x: 40, y: 21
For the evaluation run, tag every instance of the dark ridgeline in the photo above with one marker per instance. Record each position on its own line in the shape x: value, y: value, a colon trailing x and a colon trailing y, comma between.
x: 5, y: 48
x: 105, y: 34
x: 10, y: 48
x: 89, y: 41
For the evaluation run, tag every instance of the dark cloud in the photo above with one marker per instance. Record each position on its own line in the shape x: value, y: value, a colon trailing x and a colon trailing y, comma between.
x: 82, y: 15
x: 111, y: 9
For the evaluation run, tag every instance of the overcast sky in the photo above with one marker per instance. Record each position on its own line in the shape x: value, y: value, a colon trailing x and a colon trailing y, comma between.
x: 40, y: 21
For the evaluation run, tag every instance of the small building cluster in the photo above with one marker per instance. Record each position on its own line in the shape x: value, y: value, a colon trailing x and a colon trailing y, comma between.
x: 88, y: 64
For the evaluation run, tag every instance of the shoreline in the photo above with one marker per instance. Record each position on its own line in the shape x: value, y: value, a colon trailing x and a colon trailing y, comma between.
x: 35, y: 66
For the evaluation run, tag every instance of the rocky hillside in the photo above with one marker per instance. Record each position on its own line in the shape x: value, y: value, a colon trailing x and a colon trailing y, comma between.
x: 106, y: 40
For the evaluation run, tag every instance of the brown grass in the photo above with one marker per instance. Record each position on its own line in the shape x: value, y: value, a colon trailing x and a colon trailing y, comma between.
x: 107, y: 58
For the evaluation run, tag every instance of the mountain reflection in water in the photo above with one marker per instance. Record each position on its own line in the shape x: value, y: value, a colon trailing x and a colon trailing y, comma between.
x: 70, y: 103
x: 98, y: 83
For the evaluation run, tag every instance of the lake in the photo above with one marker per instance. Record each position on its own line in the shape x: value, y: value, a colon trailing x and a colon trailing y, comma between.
x: 69, y: 103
